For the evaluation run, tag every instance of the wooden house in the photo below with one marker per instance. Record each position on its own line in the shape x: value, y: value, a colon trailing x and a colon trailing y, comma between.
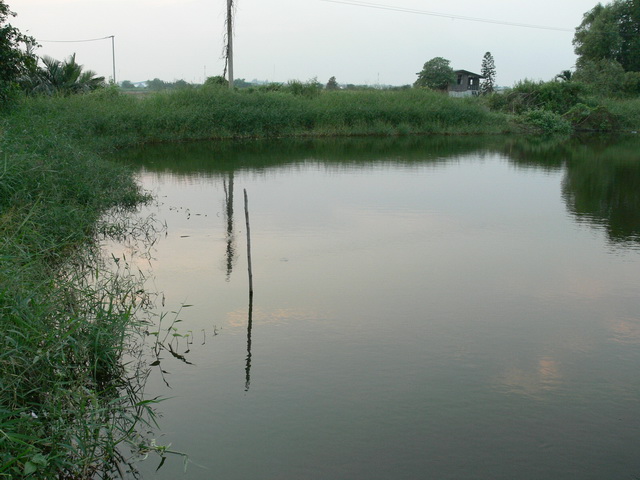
x: 466, y: 84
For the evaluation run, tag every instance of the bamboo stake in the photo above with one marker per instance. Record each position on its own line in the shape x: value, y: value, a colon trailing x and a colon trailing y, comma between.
x: 250, y: 316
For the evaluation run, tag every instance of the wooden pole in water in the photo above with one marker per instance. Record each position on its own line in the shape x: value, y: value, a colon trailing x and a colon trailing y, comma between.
x: 250, y: 315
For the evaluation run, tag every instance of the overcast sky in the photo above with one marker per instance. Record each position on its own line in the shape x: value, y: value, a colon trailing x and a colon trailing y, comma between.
x: 280, y: 40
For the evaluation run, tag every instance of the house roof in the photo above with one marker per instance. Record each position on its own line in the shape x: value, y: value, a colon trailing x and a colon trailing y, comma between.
x: 458, y: 72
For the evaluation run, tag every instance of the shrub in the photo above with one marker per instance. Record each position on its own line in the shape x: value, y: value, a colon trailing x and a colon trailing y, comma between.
x: 544, y: 121
x: 583, y: 117
x: 557, y: 97
x: 216, y: 81
x: 310, y: 88
x: 631, y: 85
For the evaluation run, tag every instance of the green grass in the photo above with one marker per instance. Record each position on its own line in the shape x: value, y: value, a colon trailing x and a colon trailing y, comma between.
x: 114, y: 120
x: 64, y: 320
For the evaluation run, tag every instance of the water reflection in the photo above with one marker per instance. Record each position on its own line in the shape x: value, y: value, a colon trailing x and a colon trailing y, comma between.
x: 601, y: 185
x: 433, y: 288
x: 535, y: 380
x: 604, y: 189
x: 228, y: 202
x: 247, y: 368
x: 625, y: 330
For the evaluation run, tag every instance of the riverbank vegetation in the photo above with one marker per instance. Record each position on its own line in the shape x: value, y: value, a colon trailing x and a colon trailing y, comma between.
x: 67, y: 401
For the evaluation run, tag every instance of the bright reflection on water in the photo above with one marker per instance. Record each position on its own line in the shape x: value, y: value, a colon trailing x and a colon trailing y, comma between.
x: 446, y: 309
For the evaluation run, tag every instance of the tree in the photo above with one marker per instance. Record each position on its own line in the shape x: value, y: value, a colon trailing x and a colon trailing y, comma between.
x: 62, y: 77
x: 181, y: 85
x: 156, y: 84
x: 610, y: 32
x: 217, y: 81
x: 332, y: 84
x: 436, y: 74
x: 14, y: 61
x: 241, y: 83
x: 489, y: 73
x: 564, y: 76
x: 604, y: 76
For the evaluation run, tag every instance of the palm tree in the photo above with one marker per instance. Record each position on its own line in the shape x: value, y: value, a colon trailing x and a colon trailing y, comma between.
x: 564, y: 76
x: 62, y: 77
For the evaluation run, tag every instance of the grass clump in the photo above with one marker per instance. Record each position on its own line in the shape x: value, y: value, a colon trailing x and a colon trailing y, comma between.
x: 67, y: 402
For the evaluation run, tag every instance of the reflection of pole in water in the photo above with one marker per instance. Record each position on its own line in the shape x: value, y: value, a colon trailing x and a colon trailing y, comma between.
x: 228, y: 201
x: 247, y: 368
x: 250, y: 316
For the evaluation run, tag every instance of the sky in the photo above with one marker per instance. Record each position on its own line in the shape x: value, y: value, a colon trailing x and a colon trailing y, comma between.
x: 378, y: 42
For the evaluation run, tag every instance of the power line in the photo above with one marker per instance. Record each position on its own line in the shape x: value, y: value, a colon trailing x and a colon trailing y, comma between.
x: 444, y: 15
x: 74, y: 41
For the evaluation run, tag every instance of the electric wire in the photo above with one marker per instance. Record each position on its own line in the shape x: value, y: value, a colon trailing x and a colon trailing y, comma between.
x: 444, y: 15
x: 74, y: 41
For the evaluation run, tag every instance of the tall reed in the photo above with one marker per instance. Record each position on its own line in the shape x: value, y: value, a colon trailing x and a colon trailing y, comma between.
x: 67, y: 401
x: 109, y: 119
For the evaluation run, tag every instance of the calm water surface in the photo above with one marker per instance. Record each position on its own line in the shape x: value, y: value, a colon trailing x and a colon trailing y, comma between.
x: 423, y: 308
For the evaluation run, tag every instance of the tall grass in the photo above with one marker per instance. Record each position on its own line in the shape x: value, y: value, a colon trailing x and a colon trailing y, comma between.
x: 114, y: 120
x: 67, y: 402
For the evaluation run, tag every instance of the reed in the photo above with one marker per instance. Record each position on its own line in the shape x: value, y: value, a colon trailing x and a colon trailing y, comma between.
x: 68, y: 402
x: 111, y: 120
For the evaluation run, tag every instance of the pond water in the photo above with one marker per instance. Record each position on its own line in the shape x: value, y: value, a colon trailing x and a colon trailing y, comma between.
x: 446, y: 308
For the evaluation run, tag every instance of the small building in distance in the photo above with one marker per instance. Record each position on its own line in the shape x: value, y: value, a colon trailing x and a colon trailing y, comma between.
x: 467, y: 84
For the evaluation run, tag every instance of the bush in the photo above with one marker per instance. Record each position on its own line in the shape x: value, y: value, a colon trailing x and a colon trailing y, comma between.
x: 583, y: 117
x: 310, y: 88
x: 216, y: 81
x: 544, y: 121
x: 631, y: 85
x: 625, y: 111
x: 557, y: 97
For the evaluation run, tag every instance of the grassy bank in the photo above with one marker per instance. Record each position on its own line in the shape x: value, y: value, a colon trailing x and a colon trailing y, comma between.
x: 112, y: 119
x: 108, y: 119
x: 64, y: 408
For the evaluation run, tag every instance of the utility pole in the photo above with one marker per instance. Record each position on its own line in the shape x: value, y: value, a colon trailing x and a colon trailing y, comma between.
x: 230, y: 41
x: 113, y: 57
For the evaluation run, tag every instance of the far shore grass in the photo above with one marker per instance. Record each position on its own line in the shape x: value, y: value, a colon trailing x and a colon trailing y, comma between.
x: 108, y: 119
x: 61, y: 336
